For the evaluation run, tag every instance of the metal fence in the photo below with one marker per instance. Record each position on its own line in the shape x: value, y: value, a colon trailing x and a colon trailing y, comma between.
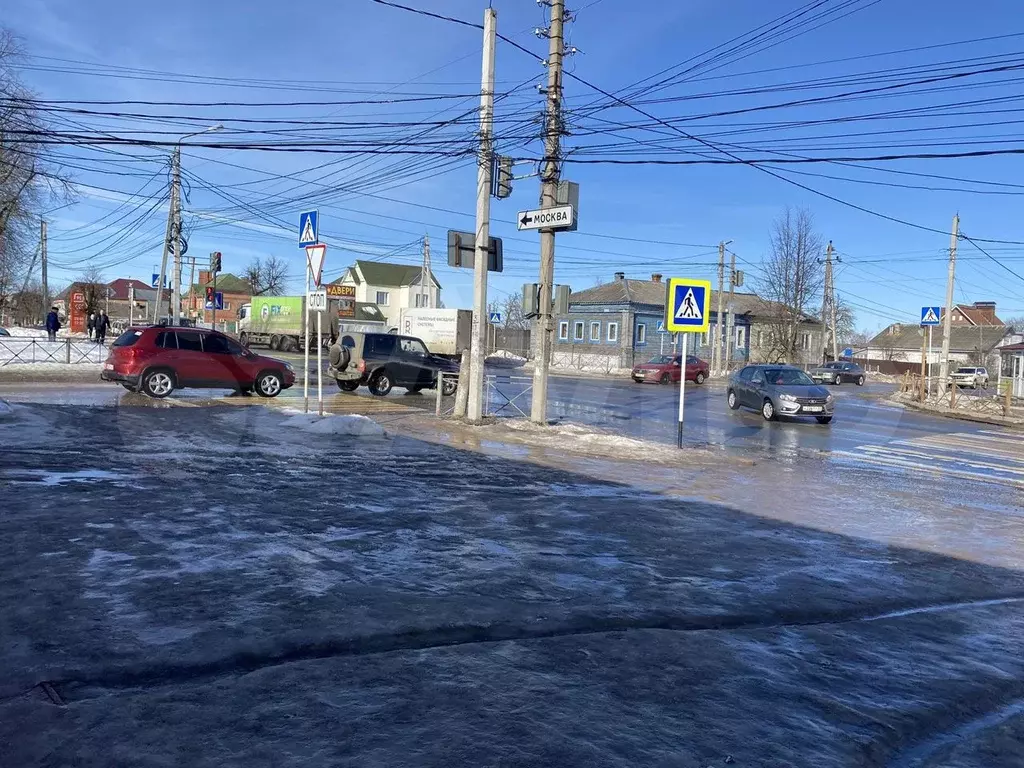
x: 507, y: 395
x: 15, y: 350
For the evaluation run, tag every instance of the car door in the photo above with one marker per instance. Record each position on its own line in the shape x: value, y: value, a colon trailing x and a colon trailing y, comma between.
x: 414, y: 368
x: 225, y: 365
x: 755, y: 390
x: 191, y: 367
x: 743, y: 384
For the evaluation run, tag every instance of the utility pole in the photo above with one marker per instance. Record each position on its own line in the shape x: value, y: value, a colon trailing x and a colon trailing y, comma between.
x: 828, y: 316
x: 425, y: 279
x: 948, y: 320
x: 549, y: 174
x: 176, y: 234
x: 730, y: 330
x: 167, y: 245
x: 835, y: 312
x: 475, y: 406
x: 42, y: 253
x: 716, y: 351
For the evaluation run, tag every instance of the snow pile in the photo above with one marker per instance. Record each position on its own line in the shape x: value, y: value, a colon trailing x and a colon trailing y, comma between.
x: 5, y: 409
x: 334, y: 424
x: 581, y: 439
x: 27, y: 333
x: 504, y: 359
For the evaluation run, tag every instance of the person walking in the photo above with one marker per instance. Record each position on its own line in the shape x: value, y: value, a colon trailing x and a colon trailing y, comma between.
x: 52, y: 324
x: 102, y: 324
x: 91, y: 325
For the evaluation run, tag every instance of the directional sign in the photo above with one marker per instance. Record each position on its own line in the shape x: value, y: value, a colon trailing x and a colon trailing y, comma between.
x: 494, y: 318
x: 561, y: 217
x: 309, y: 228
x: 315, y: 259
x: 218, y: 301
x: 317, y: 301
x: 686, y: 307
x: 930, y: 315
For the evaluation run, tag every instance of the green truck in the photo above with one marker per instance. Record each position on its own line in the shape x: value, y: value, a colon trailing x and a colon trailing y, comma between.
x: 277, y: 322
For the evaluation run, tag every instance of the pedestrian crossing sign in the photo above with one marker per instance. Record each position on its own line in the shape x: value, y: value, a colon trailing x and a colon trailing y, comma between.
x: 309, y: 228
x: 930, y: 315
x: 686, y: 306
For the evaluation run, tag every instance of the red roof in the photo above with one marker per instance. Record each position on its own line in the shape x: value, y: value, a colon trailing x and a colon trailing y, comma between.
x: 1012, y: 348
x: 119, y: 288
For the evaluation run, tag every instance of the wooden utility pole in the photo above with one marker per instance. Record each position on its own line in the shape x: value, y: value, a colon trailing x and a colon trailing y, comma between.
x: 730, y: 325
x: 924, y: 363
x: 947, y: 324
x: 716, y: 351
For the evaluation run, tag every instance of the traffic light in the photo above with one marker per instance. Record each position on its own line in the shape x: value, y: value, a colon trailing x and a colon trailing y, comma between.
x: 501, y: 176
x: 215, y: 262
x: 209, y: 296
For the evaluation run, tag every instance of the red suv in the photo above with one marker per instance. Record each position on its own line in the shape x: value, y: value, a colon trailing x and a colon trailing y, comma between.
x: 665, y: 369
x: 159, y: 359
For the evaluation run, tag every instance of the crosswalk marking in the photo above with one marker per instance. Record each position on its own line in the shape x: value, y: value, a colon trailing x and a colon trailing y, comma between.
x: 987, y: 456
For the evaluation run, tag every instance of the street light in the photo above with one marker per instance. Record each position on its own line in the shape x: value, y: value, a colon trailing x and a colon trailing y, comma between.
x: 174, y: 231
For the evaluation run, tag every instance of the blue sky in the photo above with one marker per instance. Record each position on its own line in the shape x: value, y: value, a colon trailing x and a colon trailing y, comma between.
x: 888, y: 270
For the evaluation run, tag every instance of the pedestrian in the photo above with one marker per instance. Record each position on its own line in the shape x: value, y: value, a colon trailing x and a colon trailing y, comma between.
x: 52, y: 324
x: 102, y: 324
x: 91, y: 325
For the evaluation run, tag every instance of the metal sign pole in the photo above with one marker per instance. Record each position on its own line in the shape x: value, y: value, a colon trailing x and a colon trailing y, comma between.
x: 305, y: 346
x: 928, y: 383
x: 682, y: 392
x: 319, y: 363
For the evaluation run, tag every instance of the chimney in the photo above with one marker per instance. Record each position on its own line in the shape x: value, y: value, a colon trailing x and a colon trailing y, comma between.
x: 986, y: 312
x: 656, y: 277
x: 620, y: 276
x: 204, y: 276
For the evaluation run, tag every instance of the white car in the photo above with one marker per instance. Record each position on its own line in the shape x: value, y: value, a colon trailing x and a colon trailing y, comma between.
x: 970, y: 376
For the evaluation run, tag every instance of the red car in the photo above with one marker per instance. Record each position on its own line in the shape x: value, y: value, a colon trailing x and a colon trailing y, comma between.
x: 158, y: 359
x: 665, y: 369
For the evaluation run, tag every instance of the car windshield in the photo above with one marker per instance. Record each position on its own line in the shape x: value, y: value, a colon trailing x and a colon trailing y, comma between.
x: 660, y: 360
x: 787, y: 377
x: 966, y: 370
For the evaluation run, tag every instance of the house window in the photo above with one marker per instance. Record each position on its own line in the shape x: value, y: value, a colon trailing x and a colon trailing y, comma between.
x: 613, y: 331
x: 641, y: 333
x: 227, y: 305
x: 760, y: 338
x: 422, y: 301
x: 805, y: 340
x: 741, y: 337
x: 577, y: 331
x: 563, y: 331
x: 595, y: 331
x: 382, y: 298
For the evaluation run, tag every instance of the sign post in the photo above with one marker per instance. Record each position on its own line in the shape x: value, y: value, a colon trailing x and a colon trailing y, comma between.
x: 309, y: 234
x: 929, y: 319
x: 686, y: 312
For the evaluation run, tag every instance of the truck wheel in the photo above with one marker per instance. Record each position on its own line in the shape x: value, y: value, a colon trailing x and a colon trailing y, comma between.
x: 243, y: 339
x: 275, y: 342
x: 348, y: 386
x: 288, y: 344
x: 381, y: 383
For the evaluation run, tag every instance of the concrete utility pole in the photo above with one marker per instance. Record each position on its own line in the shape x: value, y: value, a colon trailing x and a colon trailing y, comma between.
x: 716, y: 351
x: 176, y: 234
x: 550, y: 173
x: 948, y: 320
x: 167, y: 244
x: 425, y: 279
x: 730, y: 326
x: 475, y: 406
x: 835, y: 312
x: 828, y: 316
x: 42, y: 254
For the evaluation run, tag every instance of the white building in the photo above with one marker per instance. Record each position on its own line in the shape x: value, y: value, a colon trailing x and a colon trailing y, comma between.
x: 392, y: 287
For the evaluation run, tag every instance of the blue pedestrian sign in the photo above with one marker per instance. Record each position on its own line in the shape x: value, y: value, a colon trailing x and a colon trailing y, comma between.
x: 494, y: 318
x: 661, y: 327
x: 309, y: 228
x: 218, y: 301
x: 848, y: 352
x: 686, y: 307
x: 156, y: 280
x: 930, y: 315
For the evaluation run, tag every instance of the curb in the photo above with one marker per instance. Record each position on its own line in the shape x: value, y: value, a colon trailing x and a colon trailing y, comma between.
x: 999, y: 421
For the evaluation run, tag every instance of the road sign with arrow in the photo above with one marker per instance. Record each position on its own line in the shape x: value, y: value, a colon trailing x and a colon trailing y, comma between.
x: 561, y: 217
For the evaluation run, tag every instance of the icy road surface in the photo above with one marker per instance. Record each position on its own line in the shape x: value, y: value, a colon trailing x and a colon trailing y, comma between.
x: 222, y: 586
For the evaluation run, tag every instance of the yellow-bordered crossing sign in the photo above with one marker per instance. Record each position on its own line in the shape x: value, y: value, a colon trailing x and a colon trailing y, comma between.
x: 686, y: 305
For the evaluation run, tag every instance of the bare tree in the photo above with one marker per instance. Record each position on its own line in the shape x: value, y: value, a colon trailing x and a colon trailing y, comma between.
x: 93, y: 287
x: 1017, y: 323
x: 792, y: 281
x: 268, y: 276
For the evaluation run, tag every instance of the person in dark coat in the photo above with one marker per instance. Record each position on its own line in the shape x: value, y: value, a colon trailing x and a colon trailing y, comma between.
x: 52, y: 324
x: 102, y: 324
x: 90, y: 325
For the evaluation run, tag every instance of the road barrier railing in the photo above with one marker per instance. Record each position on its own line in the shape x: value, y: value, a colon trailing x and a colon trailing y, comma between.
x: 16, y: 350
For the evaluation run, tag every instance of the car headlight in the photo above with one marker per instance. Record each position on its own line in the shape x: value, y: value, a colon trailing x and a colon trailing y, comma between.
x: 787, y: 398
x: 288, y: 366
x: 829, y: 398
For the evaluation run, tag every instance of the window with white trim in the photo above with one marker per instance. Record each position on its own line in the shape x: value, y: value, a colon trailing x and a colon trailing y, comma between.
x: 641, y: 333
x: 741, y: 336
x: 577, y: 331
x: 613, y: 331
x: 382, y: 298
x: 595, y: 331
x: 563, y: 331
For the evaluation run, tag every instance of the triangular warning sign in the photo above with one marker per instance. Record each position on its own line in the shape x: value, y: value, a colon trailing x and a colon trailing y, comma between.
x: 930, y: 316
x: 315, y: 258
x: 308, y: 235
x: 689, y: 310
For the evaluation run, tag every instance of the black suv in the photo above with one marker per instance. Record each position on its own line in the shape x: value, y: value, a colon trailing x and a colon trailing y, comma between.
x: 385, y: 360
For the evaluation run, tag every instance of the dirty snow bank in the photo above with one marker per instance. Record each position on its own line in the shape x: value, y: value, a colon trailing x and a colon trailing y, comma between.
x: 502, y: 358
x: 5, y: 409
x: 582, y: 439
x: 333, y: 424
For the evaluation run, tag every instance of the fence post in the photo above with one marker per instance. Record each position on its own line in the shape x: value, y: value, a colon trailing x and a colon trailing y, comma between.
x: 440, y: 390
x: 952, y: 397
x: 67, y: 351
x: 1006, y: 401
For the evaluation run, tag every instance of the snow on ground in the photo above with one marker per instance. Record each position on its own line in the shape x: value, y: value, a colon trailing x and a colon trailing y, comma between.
x: 584, y: 439
x: 5, y: 408
x: 23, y: 350
x: 502, y: 358
x: 333, y: 424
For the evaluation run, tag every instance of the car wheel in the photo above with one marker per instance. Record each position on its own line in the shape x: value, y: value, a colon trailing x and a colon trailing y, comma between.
x: 837, y: 380
x: 824, y: 419
x: 699, y: 378
x: 268, y: 384
x: 860, y: 381
x: 665, y: 379
x: 158, y: 383
x: 734, y: 402
x: 348, y: 386
x: 381, y: 383
x: 243, y: 339
x: 768, y: 410
x: 449, y: 385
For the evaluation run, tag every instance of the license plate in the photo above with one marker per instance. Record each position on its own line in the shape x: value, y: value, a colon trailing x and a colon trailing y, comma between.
x: 813, y: 408
x: 108, y: 366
